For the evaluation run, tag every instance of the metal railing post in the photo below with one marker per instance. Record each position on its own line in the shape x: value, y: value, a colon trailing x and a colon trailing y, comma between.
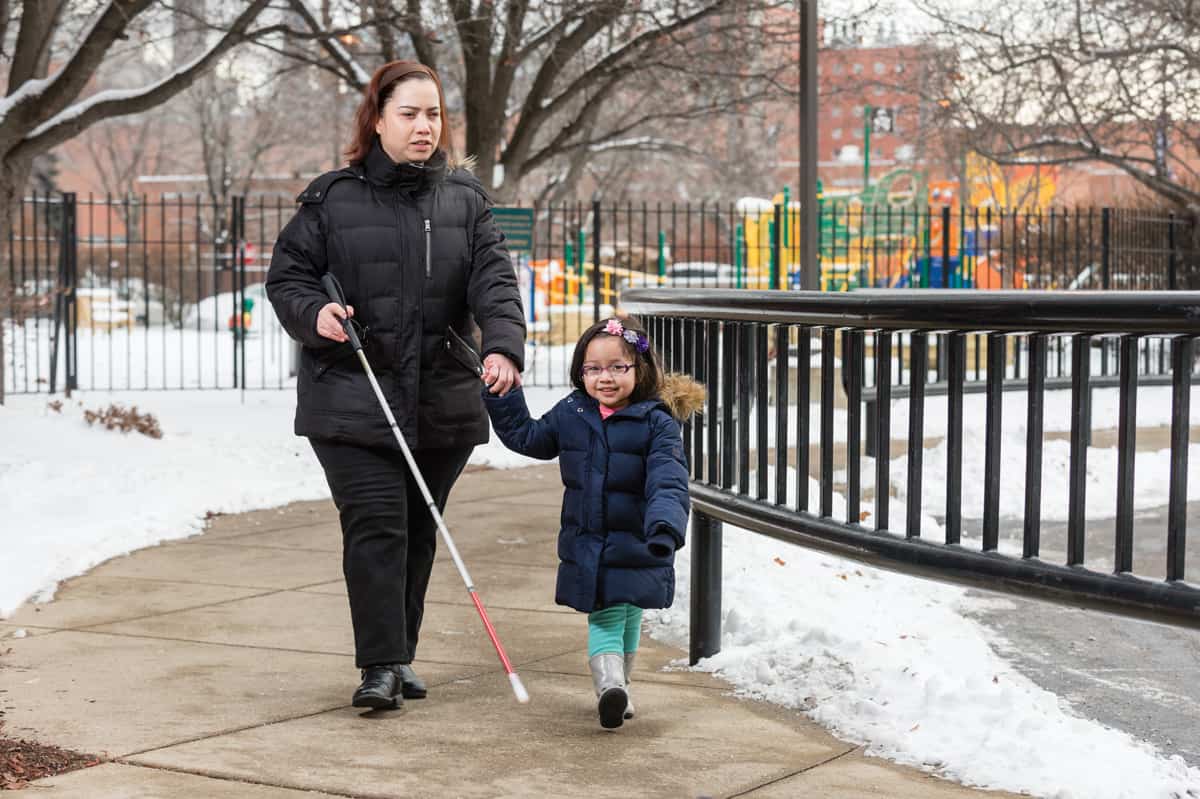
x: 776, y: 250
x: 945, y: 246
x: 1172, y: 279
x: 63, y: 331
x: 596, y: 275
x: 70, y: 247
x: 1181, y: 399
x: 705, y: 636
x: 1106, y: 248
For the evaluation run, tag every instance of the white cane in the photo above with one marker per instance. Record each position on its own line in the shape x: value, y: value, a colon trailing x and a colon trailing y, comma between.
x: 335, y: 294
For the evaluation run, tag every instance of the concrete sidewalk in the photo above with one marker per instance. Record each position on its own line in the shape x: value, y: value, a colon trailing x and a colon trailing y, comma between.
x: 220, y: 666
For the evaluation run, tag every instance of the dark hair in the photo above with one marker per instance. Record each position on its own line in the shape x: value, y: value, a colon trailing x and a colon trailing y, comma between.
x: 648, y: 368
x: 375, y: 97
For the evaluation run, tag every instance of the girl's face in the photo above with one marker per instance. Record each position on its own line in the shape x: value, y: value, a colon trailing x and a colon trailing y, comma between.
x: 410, y: 123
x: 603, y: 361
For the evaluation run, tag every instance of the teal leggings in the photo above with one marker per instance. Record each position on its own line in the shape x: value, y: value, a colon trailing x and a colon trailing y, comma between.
x: 615, y: 629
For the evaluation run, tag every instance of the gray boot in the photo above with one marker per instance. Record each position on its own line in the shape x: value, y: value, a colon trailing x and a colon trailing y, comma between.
x: 629, y: 656
x: 608, y: 677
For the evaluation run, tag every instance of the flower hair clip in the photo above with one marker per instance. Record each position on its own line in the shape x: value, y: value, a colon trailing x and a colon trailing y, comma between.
x: 614, y: 328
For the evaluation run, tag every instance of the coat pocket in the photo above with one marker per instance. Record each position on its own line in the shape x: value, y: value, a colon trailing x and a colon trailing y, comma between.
x: 461, y: 351
x: 326, y: 359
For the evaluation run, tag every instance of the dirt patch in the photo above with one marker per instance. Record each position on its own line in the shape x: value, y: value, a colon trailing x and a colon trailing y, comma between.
x: 23, y: 761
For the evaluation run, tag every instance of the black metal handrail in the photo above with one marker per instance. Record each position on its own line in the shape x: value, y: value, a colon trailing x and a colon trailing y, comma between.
x: 725, y: 339
x: 970, y: 310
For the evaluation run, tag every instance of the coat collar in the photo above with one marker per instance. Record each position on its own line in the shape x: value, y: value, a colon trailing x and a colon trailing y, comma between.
x: 414, y: 176
x: 591, y: 408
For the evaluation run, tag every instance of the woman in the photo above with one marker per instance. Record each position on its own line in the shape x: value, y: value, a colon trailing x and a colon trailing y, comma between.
x: 411, y: 239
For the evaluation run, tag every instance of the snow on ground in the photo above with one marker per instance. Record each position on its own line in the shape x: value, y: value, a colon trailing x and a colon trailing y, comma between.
x: 77, y: 495
x: 886, y: 660
x: 897, y: 664
x: 1151, y: 482
x: 1151, y: 477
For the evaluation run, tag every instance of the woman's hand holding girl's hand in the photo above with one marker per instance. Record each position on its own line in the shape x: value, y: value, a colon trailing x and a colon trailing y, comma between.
x: 329, y: 321
x: 500, y: 374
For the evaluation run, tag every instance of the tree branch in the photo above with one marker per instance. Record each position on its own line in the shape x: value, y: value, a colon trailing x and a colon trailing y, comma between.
x: 585, y: 119
x: 613, y: 138
x: 32, y: 50
x: 70, y: 122
x: 506, y: 62
x: 3, y: 26
x: 383, y: 29
x: 532, y: 114
x: 419, y: 36
x: 69, y: 81
x: 614, y: 59
x: 353, y: 72
x: 1084, y: 152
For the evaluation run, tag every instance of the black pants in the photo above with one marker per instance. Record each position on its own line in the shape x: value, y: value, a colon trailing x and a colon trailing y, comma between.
x: 389, y: 539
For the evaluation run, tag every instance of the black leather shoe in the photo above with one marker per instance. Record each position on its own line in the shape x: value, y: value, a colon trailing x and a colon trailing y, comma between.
x: 380, y: 689
x: 412, y: 686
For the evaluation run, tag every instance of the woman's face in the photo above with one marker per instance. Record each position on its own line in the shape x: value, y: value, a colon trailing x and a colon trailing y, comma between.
x: 410, y: 123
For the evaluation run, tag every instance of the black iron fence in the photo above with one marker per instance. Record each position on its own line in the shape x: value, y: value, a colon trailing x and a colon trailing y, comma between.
x: 141, y: 293
x: 1054, y: 248
x: 760, y: 460
x: 134, y: 293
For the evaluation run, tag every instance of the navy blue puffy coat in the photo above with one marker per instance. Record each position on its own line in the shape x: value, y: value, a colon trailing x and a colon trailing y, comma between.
x: 625, y: 499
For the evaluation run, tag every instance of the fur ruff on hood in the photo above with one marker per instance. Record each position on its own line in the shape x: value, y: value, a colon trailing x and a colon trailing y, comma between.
x: 464, y: 162
x: 682, y: 395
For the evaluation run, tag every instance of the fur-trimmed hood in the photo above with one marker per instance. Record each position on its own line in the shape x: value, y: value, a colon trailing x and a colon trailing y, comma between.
x: 464, y: 162
x: 682, y: 395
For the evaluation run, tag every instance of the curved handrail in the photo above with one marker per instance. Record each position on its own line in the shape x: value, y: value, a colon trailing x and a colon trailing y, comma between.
x: 1095, y: 312
x: 729, y: 340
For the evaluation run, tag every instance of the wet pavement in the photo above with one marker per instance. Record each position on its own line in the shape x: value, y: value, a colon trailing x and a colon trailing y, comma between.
x: 1136, y: 676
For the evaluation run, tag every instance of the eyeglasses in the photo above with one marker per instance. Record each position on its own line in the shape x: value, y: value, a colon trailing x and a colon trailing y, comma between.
x: 592, y: 371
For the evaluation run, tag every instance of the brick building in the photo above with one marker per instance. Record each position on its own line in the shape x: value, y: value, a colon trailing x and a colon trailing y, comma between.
x: 877, y: 85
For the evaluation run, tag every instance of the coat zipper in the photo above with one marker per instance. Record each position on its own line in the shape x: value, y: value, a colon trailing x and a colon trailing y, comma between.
x: 428, y: 265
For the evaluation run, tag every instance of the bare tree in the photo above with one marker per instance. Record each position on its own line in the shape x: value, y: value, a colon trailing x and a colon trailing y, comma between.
x: 542, y: 87
x: 1070, y: 81
x: 41, y: 109
x: 120, y: 158
x: 121, y: 148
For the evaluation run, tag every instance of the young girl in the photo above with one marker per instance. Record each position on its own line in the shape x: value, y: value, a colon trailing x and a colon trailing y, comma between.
x: 625, y: 504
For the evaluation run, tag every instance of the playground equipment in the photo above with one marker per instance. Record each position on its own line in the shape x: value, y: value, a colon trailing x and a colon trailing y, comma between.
x: 900, y: 231
x: 904, y: 232
x: 756, y: 247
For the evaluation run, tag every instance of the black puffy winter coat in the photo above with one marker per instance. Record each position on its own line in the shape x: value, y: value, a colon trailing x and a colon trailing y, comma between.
x: 420, y: 258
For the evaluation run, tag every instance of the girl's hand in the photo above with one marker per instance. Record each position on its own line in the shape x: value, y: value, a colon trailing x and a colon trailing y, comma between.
x: 329, y: 321
x: 500, y: 374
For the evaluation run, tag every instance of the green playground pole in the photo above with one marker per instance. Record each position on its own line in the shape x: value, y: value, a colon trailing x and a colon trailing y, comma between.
x: 925, y: 281
x: 662, y: 256
x: 787, y: 228
x: 773, y: 275
x: 739, y: 241
x: 579, y: 259
x: 866, y: 150
x: 820, y: 231
x: 568, y: 260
